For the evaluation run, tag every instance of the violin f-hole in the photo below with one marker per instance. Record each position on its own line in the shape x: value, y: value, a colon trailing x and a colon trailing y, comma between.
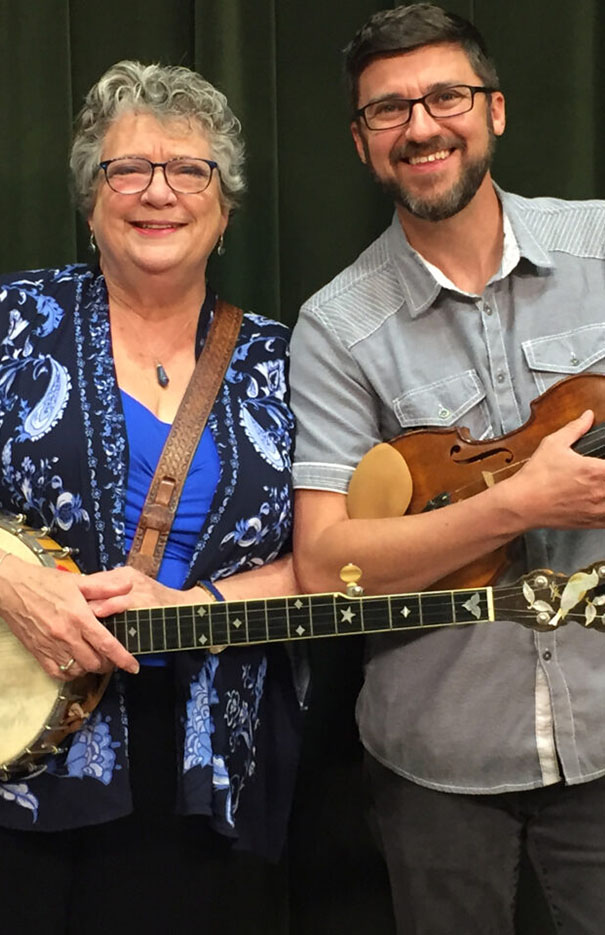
x: 480, y: 456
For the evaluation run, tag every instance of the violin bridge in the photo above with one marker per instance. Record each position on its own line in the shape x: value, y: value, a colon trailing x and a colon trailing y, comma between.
x: 489, y: 478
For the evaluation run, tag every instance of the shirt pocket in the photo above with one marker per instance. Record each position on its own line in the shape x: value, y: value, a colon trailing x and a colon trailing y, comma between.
x: 455, y: 400
x: 555, y: 356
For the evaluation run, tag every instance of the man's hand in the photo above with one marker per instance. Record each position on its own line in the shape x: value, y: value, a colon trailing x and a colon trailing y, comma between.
x: 559, y: 488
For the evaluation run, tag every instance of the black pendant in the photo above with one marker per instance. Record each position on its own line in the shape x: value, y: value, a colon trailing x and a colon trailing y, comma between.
x: 162, y: 376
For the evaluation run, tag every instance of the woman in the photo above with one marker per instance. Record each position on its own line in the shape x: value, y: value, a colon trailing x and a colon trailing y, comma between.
x: 94, y: 363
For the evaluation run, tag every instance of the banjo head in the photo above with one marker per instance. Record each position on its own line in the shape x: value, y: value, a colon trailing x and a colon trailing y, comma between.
x: 27, y: 697
x: 33, y: 706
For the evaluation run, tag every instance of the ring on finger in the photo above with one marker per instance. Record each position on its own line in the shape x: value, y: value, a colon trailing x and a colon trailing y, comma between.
x: 67, y: 665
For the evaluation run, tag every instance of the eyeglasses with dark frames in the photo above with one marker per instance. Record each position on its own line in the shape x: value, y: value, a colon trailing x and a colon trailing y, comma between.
x: 451, y: 101
x: 131, y: 175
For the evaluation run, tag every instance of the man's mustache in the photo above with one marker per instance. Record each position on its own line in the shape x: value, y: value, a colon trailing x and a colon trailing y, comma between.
x: 411, y: 149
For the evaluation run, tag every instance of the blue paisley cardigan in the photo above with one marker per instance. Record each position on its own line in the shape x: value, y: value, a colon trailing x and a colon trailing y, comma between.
x: 64, y: 463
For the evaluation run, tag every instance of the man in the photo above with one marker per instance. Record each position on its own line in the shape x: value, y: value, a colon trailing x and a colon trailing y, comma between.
x: 478, y: 738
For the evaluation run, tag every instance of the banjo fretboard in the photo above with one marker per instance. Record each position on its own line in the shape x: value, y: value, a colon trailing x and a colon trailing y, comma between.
x: 232, y: 623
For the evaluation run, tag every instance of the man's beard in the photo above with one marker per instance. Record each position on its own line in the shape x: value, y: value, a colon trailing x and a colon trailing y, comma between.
x: 450, y: 202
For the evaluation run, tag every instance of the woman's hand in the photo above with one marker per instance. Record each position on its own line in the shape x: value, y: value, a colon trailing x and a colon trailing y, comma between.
x: 112, y: 592
x: 47, y: 611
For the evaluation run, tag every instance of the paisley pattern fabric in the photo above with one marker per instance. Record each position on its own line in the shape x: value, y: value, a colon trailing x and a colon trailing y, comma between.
x: 64, y: 463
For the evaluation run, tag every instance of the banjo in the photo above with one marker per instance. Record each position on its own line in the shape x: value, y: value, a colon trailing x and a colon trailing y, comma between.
x: 38, y: 712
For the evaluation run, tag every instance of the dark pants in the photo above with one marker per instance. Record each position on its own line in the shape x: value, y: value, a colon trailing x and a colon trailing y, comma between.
x: 453, y: 860
x: 151, y: 872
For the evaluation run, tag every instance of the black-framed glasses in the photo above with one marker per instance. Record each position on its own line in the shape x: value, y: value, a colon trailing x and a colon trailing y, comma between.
x: 443, y: 102
x: 131, y: 175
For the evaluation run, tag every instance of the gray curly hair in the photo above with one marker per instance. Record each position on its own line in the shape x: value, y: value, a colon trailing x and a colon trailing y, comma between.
x: 167, y: 92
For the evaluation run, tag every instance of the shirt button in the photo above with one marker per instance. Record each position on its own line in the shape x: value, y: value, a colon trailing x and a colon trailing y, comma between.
x: 574, y: 360
x: 487, y: 309
x: 500, y: 376
x: 444, y: 413
x: 546, y: 655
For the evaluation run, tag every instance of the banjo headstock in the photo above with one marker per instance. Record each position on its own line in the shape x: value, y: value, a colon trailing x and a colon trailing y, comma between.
x: 544, y: 600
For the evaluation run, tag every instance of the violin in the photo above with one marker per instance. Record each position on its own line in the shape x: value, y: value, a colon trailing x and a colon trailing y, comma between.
x: 426, y: 469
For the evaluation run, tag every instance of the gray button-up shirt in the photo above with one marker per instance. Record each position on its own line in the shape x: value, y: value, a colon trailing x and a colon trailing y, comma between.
x: 386, y: 347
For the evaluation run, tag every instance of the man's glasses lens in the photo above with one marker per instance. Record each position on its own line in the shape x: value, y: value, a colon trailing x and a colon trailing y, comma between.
x: 187, y: 176
x: 393, y: 112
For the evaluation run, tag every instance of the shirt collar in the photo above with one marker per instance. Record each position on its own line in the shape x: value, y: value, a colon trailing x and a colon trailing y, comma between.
x: 421, y: 281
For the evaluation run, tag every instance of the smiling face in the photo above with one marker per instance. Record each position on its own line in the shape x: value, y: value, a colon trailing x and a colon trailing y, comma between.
x: 156, y: 231
x: 432, y: 168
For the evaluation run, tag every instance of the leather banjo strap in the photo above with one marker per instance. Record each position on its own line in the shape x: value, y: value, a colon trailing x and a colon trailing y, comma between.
x: 167, y: 483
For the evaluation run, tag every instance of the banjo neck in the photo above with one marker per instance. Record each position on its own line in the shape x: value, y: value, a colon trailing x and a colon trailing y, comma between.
x: 541, y: 600
x: 280, y: 619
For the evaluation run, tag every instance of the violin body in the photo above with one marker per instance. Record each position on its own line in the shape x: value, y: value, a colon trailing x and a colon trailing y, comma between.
x: 447, y: 465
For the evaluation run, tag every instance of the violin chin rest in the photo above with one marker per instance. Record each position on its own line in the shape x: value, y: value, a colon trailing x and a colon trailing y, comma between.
x: 381, y: 485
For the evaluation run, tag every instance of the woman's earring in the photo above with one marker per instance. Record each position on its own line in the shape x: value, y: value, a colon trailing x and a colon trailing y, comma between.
x: 92, y: 242
x: 221, y: 246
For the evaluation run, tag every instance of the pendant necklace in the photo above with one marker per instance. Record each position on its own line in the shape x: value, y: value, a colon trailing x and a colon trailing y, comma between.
x: 160, y: 370
x: 161, y: 375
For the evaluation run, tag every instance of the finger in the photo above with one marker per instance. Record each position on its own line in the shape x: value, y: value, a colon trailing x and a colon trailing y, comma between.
x: 108, y: 647
x: 105, y: 607
x: 574, y: 430
x: 75, y: 659
x: 105, y: 584
x: 75, y: 671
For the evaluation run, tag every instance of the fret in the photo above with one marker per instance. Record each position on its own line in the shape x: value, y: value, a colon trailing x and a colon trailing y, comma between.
x: 236, y: 621
x: 110, y: 623
x: 321, y: 616
x: 219, y: 629
x: 131, y: 633
x: 201, y: 627
x: 177, y: 627
x: 405, y: 611
x: 144, y: 628
x: 472, y: 605
x: 171, y: 632
x: 157, y: 632
x: 348, y: 616
x: 163, y: 619
x: 277, y: 619
x: 120, y: 629
x: 186, y: 628
x: 246, y: 605
x: 375, y: 614
x: 489, y: 600
x: 435, y: 609
x: 256, y: 621
x: 299, y: 626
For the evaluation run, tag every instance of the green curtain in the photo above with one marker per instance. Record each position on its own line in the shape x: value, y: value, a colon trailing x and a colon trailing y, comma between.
x: 310, y: 206
x: 309, y: 210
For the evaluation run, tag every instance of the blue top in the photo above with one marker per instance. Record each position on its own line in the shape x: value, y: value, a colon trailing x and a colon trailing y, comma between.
x: 146, y: 439
x: 64, y: 462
